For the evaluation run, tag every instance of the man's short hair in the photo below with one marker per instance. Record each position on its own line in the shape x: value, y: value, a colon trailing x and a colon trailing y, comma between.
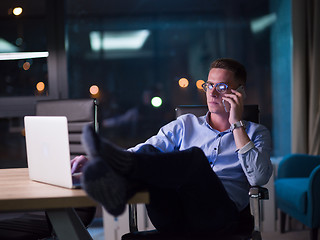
x: 232, y: 65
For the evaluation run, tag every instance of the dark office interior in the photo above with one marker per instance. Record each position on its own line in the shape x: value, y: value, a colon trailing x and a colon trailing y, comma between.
x: 181, y: 39
x: 125, y: 53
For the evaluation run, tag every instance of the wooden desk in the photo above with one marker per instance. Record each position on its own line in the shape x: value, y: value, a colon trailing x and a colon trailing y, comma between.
x: 19, y: 193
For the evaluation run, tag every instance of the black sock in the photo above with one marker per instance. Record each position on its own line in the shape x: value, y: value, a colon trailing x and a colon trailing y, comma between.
x: 119, y: 159
x: 105, y: 186
x: 104, y: 175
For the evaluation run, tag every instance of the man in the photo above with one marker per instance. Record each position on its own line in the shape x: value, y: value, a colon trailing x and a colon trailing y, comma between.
x: 197, y: 170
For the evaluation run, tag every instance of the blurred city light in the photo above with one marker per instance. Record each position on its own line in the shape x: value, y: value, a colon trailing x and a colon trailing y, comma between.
x: 94, y: 90
x: 26, y: 66
x: 19, y: 41
x: 199, y: 84
x: 40, y: 86
x: 156, y: 101
x: 183, y: 82
x: 17, y: 11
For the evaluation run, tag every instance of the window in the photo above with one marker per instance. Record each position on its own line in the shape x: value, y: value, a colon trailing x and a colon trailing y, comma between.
x: 180, y: 40
x: 23, y: 50
x: 29, y: 68
x: 129, y: 52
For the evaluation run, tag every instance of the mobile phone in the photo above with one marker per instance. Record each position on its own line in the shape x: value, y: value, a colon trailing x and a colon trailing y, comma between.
x: 241, y: 90
x: 226, y: 105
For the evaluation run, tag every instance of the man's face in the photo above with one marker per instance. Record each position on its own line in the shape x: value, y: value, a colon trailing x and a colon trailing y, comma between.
x: 214, y: 98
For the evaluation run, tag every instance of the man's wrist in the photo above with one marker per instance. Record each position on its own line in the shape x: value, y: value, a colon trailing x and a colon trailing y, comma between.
x: 238, y: 124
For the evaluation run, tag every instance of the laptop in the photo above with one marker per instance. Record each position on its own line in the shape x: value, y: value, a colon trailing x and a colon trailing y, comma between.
x: 48, y: 152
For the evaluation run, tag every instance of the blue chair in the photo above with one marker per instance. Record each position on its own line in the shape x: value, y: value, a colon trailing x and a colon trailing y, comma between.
x: 297, y: 191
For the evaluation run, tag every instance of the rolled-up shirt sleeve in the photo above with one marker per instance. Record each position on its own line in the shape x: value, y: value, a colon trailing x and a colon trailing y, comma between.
x: 255, y: 157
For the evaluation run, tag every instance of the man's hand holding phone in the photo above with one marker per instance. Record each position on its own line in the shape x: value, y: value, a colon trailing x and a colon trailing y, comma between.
x: 233, y: 103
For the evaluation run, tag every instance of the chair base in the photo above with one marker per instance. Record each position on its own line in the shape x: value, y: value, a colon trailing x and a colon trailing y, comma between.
x: 256, y: 235
x: 243, y: 232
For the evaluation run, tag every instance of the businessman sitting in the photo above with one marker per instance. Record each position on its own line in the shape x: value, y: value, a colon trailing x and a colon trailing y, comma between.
x: 198, y: 170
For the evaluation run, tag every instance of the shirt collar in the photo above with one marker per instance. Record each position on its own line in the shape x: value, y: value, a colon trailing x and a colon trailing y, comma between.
x: 209, y: 126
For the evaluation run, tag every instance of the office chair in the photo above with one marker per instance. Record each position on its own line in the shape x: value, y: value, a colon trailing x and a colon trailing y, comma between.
x: 79, y: 112
x: 256, y: 193
x: 36, y: 225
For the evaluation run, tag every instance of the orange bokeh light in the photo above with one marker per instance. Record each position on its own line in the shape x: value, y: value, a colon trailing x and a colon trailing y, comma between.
x: 183, y: 82
x: 199, y: 84
x: 26, y: 66
x: 40, y: 86
x: 94, y: 90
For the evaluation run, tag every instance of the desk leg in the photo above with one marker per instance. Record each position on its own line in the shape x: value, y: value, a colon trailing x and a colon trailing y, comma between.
x: 67, y: 224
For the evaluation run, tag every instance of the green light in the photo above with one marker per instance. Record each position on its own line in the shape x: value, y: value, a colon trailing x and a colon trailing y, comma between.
x: 156, y: 101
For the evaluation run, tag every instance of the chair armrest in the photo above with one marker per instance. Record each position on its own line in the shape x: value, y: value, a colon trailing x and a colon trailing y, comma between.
x: 260, y: 192
x: 256, y: 194
x: 297, y: 165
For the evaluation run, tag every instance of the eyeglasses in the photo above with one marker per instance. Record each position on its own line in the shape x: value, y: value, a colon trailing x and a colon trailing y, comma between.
x: 220, y: 87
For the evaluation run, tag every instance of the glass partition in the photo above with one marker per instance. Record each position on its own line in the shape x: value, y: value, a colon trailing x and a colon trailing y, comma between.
x: 140, y: 59
x: 24, y: 77
x: 164, y: 50
x: 23, y: 49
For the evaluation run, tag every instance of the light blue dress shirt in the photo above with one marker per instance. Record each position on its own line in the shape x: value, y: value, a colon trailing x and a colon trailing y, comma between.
x: 237, y: 169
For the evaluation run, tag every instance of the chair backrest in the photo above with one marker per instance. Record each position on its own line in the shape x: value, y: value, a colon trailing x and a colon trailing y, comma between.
x: 250, y: 112
x: 78, y: 112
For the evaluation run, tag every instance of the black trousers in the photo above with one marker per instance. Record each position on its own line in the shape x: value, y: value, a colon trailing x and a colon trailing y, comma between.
x: 185, y: 194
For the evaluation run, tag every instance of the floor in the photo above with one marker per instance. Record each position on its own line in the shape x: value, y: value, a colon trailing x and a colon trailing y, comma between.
x: 96, y: 231
x: 293, y: 235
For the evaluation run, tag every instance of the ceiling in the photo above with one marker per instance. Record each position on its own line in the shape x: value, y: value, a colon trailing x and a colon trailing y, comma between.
x: 229, y: 8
